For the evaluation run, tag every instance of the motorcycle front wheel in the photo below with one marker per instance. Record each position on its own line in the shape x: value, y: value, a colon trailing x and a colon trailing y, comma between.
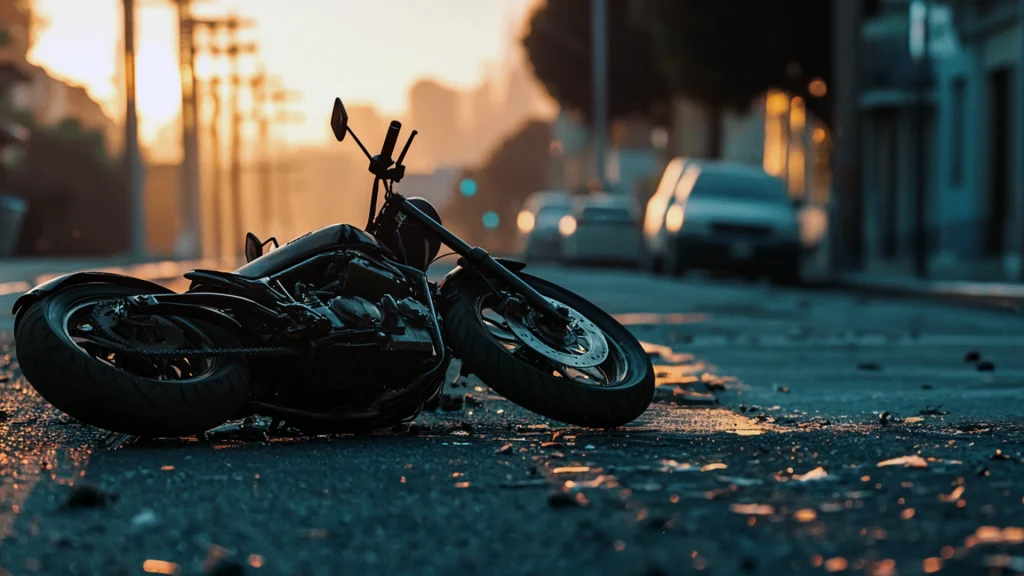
x: 69, y: 351
x: 556, y: 380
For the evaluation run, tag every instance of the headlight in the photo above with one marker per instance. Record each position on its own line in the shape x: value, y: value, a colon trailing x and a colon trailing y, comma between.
x: 567, y: 225
x: 674, y: 218
x: 525, y: 221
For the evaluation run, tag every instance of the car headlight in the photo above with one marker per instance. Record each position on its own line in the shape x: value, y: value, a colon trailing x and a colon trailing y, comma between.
x: 567, y: 225
x: 525, y: 221
x: 674, y: 218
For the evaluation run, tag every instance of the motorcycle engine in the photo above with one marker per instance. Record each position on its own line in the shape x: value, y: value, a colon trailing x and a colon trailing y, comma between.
x: 371, y: 297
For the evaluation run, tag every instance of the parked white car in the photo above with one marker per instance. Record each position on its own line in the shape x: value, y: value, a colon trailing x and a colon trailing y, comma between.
x: 539, y: 238
x: 733, y: 217
x: 603, y: 229
x: 658, y: 205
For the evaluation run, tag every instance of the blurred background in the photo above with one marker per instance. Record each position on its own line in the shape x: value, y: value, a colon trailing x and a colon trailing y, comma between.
x: 894, y: 126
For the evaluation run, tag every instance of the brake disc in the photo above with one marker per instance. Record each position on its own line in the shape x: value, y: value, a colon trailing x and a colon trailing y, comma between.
x: 589, y: 349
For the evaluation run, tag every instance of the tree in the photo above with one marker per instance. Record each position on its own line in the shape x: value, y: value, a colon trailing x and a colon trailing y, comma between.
x: 558, y: 48
x: 517, y: 168
x: 725, y: 56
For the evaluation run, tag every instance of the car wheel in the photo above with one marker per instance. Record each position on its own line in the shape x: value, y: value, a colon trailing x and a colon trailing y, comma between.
x: 673, y: 264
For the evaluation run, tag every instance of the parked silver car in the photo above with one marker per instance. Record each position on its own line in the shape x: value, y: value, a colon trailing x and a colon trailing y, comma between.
x: 603, y: 229
x: 539, y: 238
x: 733, y: 217
x: 654, y: 215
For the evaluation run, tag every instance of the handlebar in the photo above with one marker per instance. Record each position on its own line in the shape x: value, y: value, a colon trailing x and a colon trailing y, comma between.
x: 389, y: 142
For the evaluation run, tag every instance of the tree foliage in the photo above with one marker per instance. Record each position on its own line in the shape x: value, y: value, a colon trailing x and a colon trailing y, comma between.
x: 558, y: 45
x: 517, y: 168
x: 725, y: 55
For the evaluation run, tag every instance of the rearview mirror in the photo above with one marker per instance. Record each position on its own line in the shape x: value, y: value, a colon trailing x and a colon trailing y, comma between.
x: 339, y: 120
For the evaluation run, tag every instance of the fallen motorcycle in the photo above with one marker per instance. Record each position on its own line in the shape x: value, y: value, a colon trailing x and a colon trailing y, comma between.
x: 338, y: 330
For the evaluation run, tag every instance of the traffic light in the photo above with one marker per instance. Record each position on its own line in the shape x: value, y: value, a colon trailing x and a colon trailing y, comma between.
x: 468, y: 187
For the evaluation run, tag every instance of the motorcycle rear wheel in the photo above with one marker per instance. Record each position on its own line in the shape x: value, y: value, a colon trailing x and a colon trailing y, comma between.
x: 609, y: 395
x: 130, y: 394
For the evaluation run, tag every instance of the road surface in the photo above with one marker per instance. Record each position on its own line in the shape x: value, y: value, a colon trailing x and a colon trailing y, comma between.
x: 794, y: 432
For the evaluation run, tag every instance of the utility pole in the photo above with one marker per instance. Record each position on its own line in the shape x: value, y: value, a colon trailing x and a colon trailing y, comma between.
x: 217, y: 169
x: 599, y: 48
x: 233, y: 50
x: 282, y: 203
x: 260, y: 90
x: 132, y: 159
x: 190, y: 237
x: 923, y: 81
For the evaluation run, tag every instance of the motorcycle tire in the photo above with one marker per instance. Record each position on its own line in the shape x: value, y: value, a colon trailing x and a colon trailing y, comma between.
x: 538, y: 390
x: 97, y: 393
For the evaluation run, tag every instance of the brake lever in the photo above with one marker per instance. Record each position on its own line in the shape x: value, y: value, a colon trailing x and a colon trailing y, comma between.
x: 405, y: 149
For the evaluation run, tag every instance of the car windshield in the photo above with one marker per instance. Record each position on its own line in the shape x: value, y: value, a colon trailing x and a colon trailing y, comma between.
x: 737, y: 186
x: 548, y: 216
x: 605, y: 214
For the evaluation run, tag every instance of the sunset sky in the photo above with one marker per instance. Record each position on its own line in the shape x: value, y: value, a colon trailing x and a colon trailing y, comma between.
x: 321, y: 48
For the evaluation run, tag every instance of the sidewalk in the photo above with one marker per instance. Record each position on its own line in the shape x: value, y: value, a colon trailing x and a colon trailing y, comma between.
x: 19, y: 275
x: 997, y: 294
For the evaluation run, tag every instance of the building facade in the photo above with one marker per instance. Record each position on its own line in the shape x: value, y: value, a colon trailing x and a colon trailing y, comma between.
x: 940, y: 82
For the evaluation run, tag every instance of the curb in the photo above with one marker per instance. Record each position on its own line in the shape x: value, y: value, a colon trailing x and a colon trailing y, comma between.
x: 1007, y: 298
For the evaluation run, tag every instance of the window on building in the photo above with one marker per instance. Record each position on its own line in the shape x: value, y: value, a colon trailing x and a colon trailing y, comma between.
x: 956, y: 161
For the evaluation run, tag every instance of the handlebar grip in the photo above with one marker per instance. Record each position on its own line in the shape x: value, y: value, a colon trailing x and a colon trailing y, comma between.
x: 390, y: 140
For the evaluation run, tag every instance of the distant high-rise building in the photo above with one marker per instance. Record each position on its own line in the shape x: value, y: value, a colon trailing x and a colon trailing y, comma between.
x: 434, y: 111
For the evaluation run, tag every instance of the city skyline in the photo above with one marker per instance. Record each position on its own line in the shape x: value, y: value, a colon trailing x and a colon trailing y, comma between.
x: 413, y: 53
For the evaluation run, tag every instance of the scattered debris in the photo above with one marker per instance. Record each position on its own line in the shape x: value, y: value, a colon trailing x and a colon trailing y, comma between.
x: 870, y: 366
x: 506, y: 449
x: 805, y: 515
x: 818, y: 473
x: 933, y: 411
x: 913, y: 420
x: 589, y: 447
x: 972, y: 356
x: 551, y: 444
x: 885, y: 418
x: 466, y: 427
x: 752, y: 509
x: 4, y: 378
x: 986, y: 366
x: 673, y: 466
x: 251, y: 428
x: 688, y: 397
x: 913, y: 461
x: 144, y: 519
x: 571, y: 470
x: 952, y: 496
x: 999, y: 455
x: 783, y: 389
x: 473, y: 401
x: 85, y: 496
x: 713, y: 466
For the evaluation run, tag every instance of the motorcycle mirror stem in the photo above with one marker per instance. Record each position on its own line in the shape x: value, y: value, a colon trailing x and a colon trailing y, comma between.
x: 359, y: 142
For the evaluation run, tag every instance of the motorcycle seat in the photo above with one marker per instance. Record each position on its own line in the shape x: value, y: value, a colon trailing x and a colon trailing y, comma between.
x: 309, y: 244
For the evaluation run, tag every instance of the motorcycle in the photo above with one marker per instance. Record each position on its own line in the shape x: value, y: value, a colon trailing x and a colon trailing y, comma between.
x: 337, y: 330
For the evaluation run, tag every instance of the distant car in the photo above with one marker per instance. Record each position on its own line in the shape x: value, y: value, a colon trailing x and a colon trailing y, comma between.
x: 654, y: 215
x: 736, y: 218
x: 603, y: 229
x: 539, y: 238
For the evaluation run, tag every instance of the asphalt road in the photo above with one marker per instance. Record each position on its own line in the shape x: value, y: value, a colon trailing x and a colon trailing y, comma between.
x: 793, y: 432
